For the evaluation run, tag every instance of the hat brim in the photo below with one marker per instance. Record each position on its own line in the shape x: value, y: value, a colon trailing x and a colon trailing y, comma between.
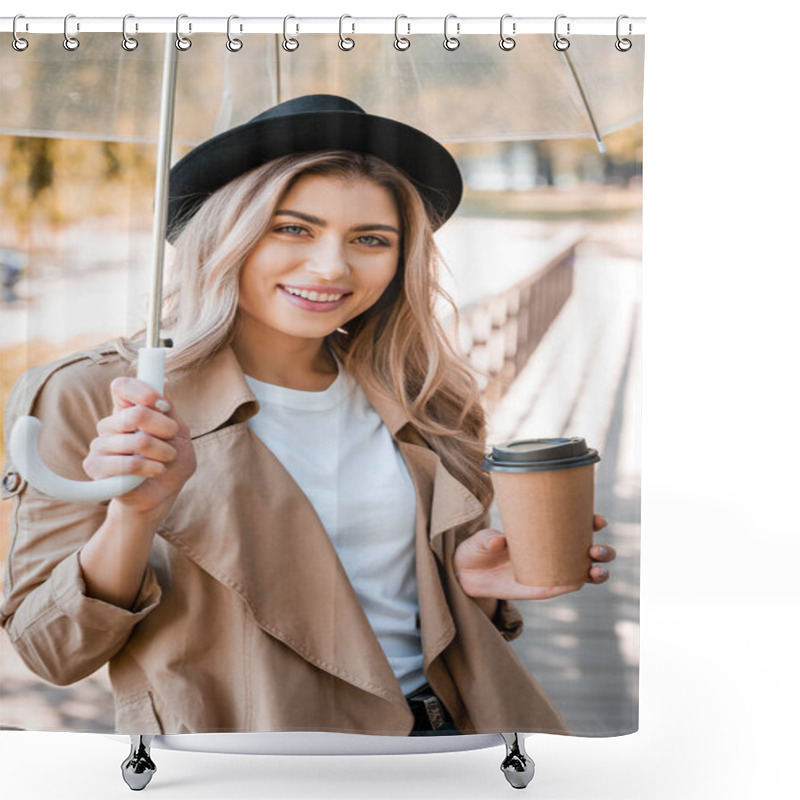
x: 219, y: 160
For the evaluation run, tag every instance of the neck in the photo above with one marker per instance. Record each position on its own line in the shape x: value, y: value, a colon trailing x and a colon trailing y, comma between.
x: 289, y: 361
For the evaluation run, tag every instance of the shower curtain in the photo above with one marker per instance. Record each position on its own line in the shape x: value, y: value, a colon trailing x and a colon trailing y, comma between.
x: 542, y: 260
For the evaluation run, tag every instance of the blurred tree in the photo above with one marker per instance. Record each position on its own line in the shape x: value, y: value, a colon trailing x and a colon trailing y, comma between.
x: 38, y: 153
x: 113, y: 165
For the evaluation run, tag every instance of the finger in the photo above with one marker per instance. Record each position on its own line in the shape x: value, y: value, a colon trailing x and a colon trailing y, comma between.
x: 602, y: 552
x: 487, y: 540
x: 171, y: 412
x: 598, y: 574
x: 139, y: 443
x: 599, y: 522
x: 481, y: 550
x: 549, y: 592
x: 496, y: 542
x: 127, y: 391
x: 108, y: 466
x: 139, y: 418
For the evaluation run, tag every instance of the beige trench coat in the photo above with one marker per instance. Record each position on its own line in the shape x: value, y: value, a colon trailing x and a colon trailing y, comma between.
x: 246, y: 620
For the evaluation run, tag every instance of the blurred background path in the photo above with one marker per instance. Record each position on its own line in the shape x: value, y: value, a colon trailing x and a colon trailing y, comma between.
x: 584, y: 647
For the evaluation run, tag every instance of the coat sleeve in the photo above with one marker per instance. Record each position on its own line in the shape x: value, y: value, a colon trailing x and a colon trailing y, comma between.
x: 60, y: 633
x: 508, y: 620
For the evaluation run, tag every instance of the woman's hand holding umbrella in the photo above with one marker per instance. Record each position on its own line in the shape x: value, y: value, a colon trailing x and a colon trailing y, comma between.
x: 483, y: 567
x: 143, y: 436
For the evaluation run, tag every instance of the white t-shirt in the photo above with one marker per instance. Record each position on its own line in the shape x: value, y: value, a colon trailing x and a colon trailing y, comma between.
x: 336, y: 447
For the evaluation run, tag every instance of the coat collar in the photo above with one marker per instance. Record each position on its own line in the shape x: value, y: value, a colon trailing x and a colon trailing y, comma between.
x: 262, y: 538
x: 217, y: 391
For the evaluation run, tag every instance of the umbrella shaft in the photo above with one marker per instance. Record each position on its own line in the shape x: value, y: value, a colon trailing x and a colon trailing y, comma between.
x: 164, y: 152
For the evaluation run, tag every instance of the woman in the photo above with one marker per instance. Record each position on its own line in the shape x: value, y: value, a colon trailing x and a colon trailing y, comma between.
x: 310, y: 550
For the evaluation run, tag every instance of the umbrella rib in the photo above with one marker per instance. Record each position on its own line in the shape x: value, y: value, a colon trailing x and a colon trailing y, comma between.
x: 598, y: 138
x: 277, y: 70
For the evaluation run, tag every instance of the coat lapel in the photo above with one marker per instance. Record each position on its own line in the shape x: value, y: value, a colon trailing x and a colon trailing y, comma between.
x: 451, y: 503
x: 261, y: 537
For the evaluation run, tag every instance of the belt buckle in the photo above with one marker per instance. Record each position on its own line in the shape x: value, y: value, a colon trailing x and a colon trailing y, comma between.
x: 433, y: 708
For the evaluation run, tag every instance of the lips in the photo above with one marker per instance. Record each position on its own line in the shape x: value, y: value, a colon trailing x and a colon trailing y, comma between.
x: 313, y: 305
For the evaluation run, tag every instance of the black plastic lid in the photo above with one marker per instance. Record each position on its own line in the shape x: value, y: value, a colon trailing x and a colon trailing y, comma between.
x: 540, y: 455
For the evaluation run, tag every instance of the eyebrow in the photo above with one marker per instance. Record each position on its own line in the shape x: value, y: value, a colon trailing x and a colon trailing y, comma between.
x: 321, y: 222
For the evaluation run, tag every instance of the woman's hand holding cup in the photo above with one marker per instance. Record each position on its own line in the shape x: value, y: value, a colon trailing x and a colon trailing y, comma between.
x: 483, y: 566
x: 143, y: 436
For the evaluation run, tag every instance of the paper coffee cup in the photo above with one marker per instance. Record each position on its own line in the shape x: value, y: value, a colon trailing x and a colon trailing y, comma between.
x: 545, y: 494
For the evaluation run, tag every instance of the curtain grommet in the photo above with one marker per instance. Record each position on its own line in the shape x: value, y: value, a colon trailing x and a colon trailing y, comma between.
x: 182, y: 43
x: 561, y: 43
x: 451, y: 42
x: 507, y: 42
x: 623, y: 45
x: 18, y: 43
x: 345, y: 42
x: 70, y: 43
x: 129, y: 43
x: 401, y: 43
x: 233, y: 45
x: 289, y: 43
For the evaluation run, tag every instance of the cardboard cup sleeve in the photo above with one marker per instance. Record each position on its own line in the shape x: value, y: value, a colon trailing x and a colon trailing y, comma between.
x: 547, y: 519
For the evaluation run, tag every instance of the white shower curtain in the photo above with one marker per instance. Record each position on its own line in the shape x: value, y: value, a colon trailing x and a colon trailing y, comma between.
x: 543, y: 261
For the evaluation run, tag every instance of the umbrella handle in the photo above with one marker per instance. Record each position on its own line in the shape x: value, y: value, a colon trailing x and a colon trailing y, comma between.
x: 24, y: 448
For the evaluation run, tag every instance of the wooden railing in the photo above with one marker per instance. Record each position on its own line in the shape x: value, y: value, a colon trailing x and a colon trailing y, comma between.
x: 500, y: 333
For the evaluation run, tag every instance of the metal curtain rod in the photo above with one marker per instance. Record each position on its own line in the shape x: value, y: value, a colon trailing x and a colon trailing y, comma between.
x: 460, y: 26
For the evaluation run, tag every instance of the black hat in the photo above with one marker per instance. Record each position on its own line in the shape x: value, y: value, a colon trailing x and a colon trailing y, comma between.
x: 306, y: 124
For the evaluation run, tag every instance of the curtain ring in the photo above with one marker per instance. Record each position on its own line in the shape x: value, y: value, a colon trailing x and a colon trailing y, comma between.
x: 561, y: 43
x: 128, y: 42
x: 345, y: 42
x: 181, y: 42
x: 289, y: 43
x: 70, y: 42
x: 400, y: 42
x: 18, y: 43
x: 506, y: 42
x: 233, y: 45
x: 623, y: 45
x: 451, y: 42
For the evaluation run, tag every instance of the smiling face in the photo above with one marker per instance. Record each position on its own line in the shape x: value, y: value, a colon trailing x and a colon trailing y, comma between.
x: 329, y: 252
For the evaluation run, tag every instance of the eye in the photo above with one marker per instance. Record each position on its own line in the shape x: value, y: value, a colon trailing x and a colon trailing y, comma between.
x: 373, y: 241
x: 294, y: 230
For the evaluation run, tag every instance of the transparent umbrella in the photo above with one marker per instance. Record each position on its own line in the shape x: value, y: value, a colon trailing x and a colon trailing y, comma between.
x: 24, y: 439
x: 532, y: 92
x: 104, y: 92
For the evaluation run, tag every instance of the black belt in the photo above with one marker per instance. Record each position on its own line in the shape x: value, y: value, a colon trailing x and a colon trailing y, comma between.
x: 429, y: 711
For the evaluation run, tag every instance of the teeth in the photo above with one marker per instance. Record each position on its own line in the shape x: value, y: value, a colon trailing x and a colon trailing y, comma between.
x: 317, y: 297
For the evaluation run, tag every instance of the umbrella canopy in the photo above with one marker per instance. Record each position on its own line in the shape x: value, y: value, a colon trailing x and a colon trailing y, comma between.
x: 104, y: 92
x: 529, y: 93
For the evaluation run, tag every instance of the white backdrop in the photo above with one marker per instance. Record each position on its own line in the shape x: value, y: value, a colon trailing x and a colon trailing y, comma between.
x: 720, y: 600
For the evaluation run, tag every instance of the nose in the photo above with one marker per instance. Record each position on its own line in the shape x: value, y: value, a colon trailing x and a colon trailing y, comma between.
x: 328, y: 259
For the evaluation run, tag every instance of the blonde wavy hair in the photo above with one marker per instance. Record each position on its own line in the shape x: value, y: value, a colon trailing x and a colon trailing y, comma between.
x: 397, y: 347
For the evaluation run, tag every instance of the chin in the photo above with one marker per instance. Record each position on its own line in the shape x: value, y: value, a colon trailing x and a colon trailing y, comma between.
x: 310, y: 332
